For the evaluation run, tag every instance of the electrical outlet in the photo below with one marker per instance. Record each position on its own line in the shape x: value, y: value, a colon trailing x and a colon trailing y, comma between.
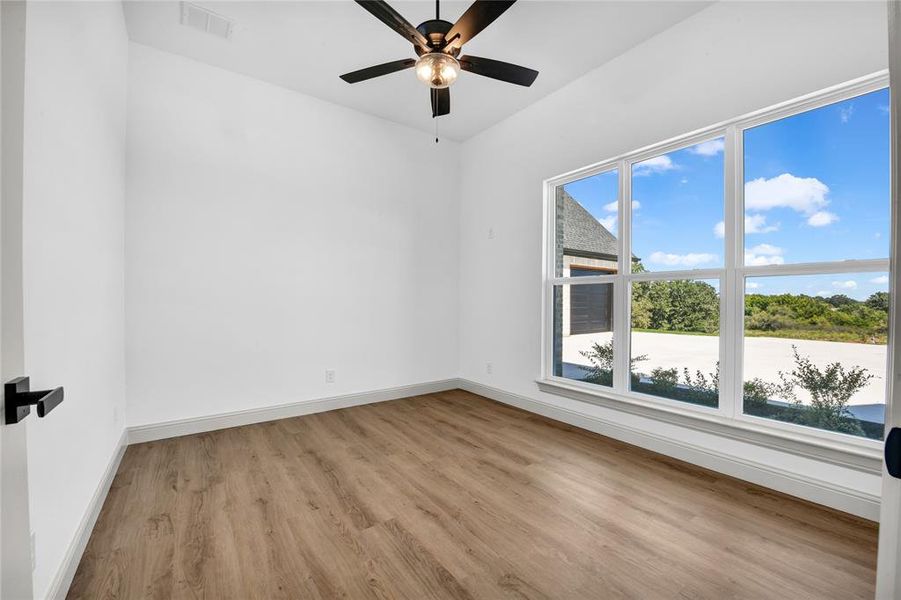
x: 491, y: 233
x: 34, y: 562
x: 330, y: 376
x: 489, y: 368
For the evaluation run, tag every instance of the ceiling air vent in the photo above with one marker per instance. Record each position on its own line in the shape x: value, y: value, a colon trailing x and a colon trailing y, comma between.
x: 205, y: 20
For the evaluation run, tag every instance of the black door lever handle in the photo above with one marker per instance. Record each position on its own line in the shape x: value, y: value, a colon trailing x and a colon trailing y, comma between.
x: 893, y: 452
x: 19, y: 399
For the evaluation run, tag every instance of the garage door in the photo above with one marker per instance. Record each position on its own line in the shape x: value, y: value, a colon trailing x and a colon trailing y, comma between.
x: 589, y: 306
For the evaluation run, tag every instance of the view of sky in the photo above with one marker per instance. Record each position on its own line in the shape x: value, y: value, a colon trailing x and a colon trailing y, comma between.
x: 816, y: 189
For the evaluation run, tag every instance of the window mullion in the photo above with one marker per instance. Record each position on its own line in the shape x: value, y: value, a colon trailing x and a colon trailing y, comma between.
x: 730, y: 386
x: 737, y: 331
x: 621, y: 289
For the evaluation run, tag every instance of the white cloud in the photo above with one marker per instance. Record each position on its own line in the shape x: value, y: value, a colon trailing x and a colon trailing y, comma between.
x: 684, y: 180
x: 822, y: 218
x: 805, y: 195
x: 614, y: 206
x: 766, y: 250
x: 709, y: 148
x: 683, y: 260
x: 845, y: 285
x: 752, y: 285
x: 824, y: 293
x: 880, y: 280
x: 884, y: 109
x: 759, y: 260
x: 764, y: 254
x: 609, y: 223
x: 845, y: 113
x: 753, y: 224
x: 658, y: 164
x: 757, y: 224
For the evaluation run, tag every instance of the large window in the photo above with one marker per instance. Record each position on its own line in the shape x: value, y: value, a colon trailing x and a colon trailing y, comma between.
x: 741, y: 272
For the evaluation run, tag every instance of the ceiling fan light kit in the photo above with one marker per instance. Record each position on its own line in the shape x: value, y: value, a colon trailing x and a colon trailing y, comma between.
x: 438, y: 44
x: 437, y: 70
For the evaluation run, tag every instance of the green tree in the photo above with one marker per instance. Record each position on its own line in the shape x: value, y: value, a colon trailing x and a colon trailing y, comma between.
x: 837, y: 318
x: 839, y: 300
x: 678, y: 305
x: 878, y: 301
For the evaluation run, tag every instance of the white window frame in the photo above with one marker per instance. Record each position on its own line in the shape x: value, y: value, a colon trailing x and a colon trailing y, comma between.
x: 728, y: 418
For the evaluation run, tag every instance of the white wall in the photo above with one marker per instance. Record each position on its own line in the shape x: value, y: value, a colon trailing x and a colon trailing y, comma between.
x: 271, y: 236
x: 727, y: 60
x: 73, y: 207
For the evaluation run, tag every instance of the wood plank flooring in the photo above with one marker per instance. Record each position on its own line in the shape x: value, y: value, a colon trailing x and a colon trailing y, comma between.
x: 451, y: 495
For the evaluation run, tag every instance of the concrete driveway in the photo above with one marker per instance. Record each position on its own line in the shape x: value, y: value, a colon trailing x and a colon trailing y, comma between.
x: 764, y: 356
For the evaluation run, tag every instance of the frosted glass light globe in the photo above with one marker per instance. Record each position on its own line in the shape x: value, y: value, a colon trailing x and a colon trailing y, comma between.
x: 437, y: 70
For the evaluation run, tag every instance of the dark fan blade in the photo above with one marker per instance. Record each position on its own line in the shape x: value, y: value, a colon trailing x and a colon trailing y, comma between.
x: 496, y: 69
x: 378, y: 70
x: 393, y: 19
x: 476, y: 18
x: 440, y: 102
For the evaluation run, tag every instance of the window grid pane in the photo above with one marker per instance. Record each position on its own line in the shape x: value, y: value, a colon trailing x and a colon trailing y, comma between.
x: 675, y: 340
x: 583, y: 333
x: 815, y: 351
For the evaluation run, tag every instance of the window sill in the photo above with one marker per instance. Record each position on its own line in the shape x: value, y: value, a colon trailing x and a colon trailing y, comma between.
x: 862, y: 456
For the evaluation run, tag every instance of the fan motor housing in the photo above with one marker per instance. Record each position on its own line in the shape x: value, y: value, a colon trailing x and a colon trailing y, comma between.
x: 435, y: 31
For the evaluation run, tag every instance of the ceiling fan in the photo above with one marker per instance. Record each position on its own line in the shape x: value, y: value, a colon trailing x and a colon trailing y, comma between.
x: 438, y: 43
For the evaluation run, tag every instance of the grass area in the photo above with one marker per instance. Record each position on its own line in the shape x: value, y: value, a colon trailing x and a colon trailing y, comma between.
x: 854, y: 337
x: 819, y: 335
x: 675, y: 332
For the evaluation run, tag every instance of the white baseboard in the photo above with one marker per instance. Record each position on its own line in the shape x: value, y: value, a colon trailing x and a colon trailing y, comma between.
x: 795, y: 484
x: 59, y: 587
x: 169, y: 429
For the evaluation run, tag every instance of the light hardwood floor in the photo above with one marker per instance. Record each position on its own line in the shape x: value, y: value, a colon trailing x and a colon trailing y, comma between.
x: 451, y: 495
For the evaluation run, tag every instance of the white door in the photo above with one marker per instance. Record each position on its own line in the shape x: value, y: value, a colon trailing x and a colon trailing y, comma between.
x: 888, y: 577
x: 15, y: 550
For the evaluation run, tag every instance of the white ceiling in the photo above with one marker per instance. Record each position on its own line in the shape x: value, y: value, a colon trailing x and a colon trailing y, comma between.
x: 304, y: 46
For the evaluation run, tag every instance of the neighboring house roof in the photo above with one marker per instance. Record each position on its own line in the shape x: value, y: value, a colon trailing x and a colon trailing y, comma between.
x: 583, y: 235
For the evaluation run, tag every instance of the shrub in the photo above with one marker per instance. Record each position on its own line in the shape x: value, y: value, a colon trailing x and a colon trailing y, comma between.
x: 664, y: 379
x: 601, y: 357
x: 830, y: 391
x: 701, y: 383
x: 756, y: 394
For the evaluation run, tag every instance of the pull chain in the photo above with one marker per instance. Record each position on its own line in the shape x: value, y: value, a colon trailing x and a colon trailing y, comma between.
x: 436, y: 129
